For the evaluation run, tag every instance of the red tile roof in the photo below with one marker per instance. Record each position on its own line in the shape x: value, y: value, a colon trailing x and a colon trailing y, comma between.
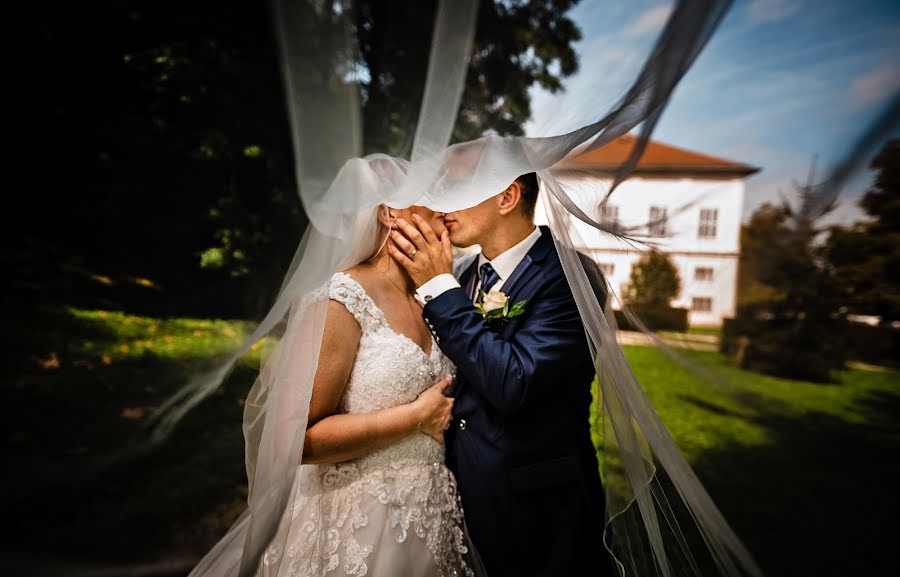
x: 657, y: 158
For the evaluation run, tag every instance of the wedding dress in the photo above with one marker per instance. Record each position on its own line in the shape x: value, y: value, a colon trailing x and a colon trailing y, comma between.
x: 392, y: 512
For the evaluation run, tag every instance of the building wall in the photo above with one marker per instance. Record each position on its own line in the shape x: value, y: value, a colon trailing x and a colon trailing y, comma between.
x: 683, y: 198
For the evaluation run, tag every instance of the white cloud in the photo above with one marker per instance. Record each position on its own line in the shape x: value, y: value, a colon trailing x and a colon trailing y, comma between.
x: 877, y: 85
x: 772, y: 10
x: 650, y: 21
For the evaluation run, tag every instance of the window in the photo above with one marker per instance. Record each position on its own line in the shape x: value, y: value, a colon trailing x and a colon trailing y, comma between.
x: 703, y: 273
x: 658, y: 221
x: 708, y: 218
x: 608, y: 268
x: 701, y: 304
x: 609, y: 216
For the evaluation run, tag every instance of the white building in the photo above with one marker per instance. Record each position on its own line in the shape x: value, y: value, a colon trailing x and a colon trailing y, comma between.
x: 690, y: 205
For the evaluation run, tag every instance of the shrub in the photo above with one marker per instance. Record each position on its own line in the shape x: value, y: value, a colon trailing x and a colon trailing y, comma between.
x: 797, y: 348
x: 655, y: 318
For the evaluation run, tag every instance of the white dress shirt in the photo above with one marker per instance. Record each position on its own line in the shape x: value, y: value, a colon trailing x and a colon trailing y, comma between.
x: 504, y: 264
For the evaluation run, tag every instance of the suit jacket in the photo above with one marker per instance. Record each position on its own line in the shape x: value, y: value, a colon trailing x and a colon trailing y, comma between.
x: 520, y: 443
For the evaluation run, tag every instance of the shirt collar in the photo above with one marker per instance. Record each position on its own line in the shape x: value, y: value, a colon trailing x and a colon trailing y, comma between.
x: 506, y: 262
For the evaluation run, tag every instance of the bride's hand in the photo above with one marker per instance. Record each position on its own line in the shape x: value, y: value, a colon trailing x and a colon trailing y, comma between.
x: 434, y: 410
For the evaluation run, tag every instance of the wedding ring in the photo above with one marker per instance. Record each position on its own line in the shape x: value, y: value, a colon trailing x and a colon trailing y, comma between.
x: 413, y: 253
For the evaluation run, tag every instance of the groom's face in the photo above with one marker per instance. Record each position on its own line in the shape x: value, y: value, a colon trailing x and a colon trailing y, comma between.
x: 470, y: 226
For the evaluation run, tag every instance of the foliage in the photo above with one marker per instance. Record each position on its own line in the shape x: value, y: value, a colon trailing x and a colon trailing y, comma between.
x: 754, y: 282
x: 517, y: 45
x: 168, y: 139
x: 792, y: 321
x: 866, y: 257
x: 654, y: 282
x: 164, y: 152
x: 654, y: 318
x: 798, y: 347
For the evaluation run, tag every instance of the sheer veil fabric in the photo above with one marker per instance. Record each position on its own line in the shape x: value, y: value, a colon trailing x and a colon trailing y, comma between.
x: 660, y: 519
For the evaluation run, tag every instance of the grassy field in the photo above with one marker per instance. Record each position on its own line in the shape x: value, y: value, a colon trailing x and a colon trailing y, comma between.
x: 85, y: 381
x: 714, y: 331
x: 805, y: 472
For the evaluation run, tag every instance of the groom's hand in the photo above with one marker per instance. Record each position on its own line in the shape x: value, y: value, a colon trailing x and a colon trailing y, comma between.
x: 418, y: 250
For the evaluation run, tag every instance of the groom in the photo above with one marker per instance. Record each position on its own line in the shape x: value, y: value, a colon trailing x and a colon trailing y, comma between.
x: 520, y: 443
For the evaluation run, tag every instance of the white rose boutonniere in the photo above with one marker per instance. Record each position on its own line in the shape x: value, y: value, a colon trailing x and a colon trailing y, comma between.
x: 495, y: 305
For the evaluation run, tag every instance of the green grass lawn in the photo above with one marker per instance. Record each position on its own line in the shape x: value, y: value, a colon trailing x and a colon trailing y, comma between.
x: 84, y: 382
x: 715, y: 331
x: 805, y: 472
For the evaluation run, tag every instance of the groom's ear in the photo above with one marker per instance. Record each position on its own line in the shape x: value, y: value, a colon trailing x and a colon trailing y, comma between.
x: 510, y: 198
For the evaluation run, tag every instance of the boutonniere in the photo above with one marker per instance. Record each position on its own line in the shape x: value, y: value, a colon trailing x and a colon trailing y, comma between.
x: 495, y: 305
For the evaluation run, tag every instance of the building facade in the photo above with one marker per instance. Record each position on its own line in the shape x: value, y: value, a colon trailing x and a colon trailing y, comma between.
x: 686, y: 204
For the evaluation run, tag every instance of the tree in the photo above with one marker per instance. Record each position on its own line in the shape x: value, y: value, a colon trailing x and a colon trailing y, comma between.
x: 159, y: 143
x: 517, y: 45
x: 654, y: 282
x: 754, y: 283
x: 866, y: 256
x: 790, y: 316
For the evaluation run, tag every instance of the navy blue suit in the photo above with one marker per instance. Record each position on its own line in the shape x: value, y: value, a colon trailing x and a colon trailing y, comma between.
x: 520, y: 443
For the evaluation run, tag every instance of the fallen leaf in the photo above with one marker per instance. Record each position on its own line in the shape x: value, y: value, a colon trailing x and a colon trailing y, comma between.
x: 132, y: 412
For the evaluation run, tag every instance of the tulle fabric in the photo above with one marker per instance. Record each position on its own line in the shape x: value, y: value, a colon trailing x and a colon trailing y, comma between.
x: 660, y: 520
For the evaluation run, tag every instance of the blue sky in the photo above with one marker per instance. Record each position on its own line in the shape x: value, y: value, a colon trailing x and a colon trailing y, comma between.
x: 780, y: 81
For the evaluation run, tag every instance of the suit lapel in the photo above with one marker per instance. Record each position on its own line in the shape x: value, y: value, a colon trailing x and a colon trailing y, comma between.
x: 530, y: 265
x: 520, y: 276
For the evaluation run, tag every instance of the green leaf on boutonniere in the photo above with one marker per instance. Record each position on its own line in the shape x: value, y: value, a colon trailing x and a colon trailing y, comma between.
x: 495, y: 305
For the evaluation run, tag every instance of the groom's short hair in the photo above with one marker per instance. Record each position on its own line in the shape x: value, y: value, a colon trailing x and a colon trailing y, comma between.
x: 529, y: 185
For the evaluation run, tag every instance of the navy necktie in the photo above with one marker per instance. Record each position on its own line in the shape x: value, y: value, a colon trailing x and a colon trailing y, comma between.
x: 488, y: 277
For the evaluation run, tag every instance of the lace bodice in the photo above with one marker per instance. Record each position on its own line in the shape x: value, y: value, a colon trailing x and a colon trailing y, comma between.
x: 390, y: 369
x: 344, y: 511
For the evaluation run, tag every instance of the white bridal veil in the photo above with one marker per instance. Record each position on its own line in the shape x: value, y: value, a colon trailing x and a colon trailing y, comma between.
x: 660, y: 520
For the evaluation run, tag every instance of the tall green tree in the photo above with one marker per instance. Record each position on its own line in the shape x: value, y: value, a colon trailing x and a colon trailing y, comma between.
x: 754, y: 279
x: 158, y: 142
x: 517, y: 45
x: 866, y: 256
x: 791, y: 302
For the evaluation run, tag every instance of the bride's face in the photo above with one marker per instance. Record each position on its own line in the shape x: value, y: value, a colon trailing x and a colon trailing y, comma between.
x: 434, y: 219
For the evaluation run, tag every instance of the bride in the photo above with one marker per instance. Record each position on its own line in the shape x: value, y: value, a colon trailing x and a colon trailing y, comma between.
x: 373, y: 496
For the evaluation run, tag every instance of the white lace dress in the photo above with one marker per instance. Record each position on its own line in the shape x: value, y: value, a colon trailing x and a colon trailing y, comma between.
x: 392, y: 513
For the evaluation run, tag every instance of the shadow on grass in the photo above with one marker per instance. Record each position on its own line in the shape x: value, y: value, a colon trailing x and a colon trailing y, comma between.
x: 820, y: 499
x: 175, y: 501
